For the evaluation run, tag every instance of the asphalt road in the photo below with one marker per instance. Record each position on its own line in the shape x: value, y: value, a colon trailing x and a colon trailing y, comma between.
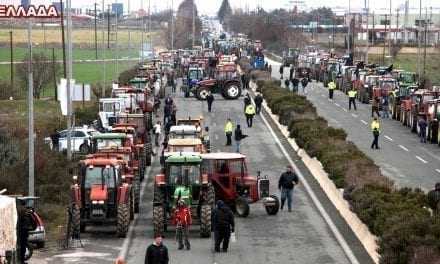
x: 402, y: 157
x: 302, y: 236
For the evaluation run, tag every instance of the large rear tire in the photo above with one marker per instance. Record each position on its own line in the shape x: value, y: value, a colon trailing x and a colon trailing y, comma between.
x: 232, y: 90
x: 211, y: 195
x: 147, y: 149
x: 202, y: 93
x: 75, y: 225
x: 205, y: 220
x: 123, y: 220
x: 242, y: 207
x: 137, y: 192
x: 158, y: 220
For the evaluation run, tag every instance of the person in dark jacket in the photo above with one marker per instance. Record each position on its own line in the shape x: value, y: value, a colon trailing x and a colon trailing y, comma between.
x: 55, y: 137
x: 304, y: 83
x: 168, y: 100
x: 258, y: 102
x: 247, y: 100
x: 287, y: 182
x: 422, y: 125
x: 25, y: 224
x: 157, y: 253
x: 434, y: 198
x: 295, y: 83
x: 281, y: 71
x: 210, y: 100
x: 238, y: 136
x: 167, y: 110
x: 223, y: 224
x: 292, y: 70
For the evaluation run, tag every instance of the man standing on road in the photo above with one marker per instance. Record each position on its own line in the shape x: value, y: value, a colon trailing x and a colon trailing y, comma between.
x: 295, y: 83
x: 375, y: 126
x: 258, y: 102
x: 157, y: 132
x: 331, y: 89
x: 375, y: 107
x: 209, y: 100
x: 157, y: 253
x: 229, y: 127
x: 292, y: 70
x: 223, y: 224
x: 183, y: 220
x: 422, y: 125
x: 352, y: 98
x: 249, y: 112
x: 238, y: 136
x: 385, y: 107
x: 281, y: 71
x: 304, y: 83
x: 286, y: 183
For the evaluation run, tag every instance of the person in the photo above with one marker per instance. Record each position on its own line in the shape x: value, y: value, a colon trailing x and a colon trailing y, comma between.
x: 243, y: 80
x: 286, y: 183
x: 247, y: 81
x: 249, y: 112
x: 247, y: 100
x: 270, y: 69
x: 292, y: 70
x: 168, y: 100
x: 266, y: 66
x: 173, y: 114
x: 281, y: 72
x: 182, y: 220
x: 385, y: 107
x: 223, y: 225
x: 375, y: 126
x: 167, y: 110
x: 258, y: 102
x: 295, y: 83
x: 206, y: 140
x: 25, y: 224
x: 157, y: 252
x: 304, y: 83
x: 375, y: 107
x: 229, y: 127
x: 352, y: 98
x: 331, y: 89
x: 422, y: 125
x: 157, y: 132
x: 434, y: 198
x: 210, y: 100
x: 55, y: 138
x: 238, y: 136
x: 173, y: 83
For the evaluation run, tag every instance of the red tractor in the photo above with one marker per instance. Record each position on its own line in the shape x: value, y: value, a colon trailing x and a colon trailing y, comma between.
x: 226, y: 82
x: 232, y: 183
x: 415, y: 106
x: 433, y: 117
x: 101, y: 195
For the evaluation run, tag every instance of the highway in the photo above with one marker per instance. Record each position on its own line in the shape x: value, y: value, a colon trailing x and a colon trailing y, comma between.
x: 302, y: 236
x: 402, y: 157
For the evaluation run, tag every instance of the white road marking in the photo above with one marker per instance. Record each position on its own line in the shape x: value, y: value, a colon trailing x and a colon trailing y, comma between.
x: 422, y: 160
x: 387, y: 137
x: 403, y: 147
x: 343, y: 109
x: 363, y: 122
x: 341, y: 240
x: 437, y: 170
x: 337, y: 104
x: 216, y: 137
x: 354, y: 115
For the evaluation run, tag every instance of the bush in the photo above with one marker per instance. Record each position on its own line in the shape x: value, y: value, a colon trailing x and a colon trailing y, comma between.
x: 406, y: 230
x: 86, y: 115
x: 127, y: 75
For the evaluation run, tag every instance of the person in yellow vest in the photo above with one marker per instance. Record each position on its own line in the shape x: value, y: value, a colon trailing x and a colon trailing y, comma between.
x: 331, y: 89
x: 375, y: 128
x: 229, y: 127
x: 249, y: 112
x: 352, y: 98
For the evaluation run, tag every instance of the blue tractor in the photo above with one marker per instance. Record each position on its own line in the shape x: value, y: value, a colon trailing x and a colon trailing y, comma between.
x: 258, y: 61
x: 195, y: 74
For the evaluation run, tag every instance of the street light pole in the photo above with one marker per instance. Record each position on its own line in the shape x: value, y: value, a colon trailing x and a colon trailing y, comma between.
x: 31, y: 155
x: 418, y: 38
x: 193, y: 24
x: 69, y: 79
x: 172, y: 24
x: 349, y: 27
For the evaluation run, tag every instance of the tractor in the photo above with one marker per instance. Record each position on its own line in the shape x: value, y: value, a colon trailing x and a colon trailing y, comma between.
x: 366, y: 90
x: 226, y: 82
x: 415, y: 105
x: 232, y: 183
x: 178, y: 145
x: 290, y: 57
x: 433, y: 117
x: 101, y: 195
x: 194, y: 75
x: 183, y: 169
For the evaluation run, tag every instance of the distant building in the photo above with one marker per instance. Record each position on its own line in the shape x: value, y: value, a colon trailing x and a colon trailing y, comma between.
x: 57, y: 6
x: 118, y: 9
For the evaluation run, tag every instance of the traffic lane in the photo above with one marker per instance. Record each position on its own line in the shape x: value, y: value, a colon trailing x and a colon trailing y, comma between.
x: 286, y: 237
x: 401, y: 158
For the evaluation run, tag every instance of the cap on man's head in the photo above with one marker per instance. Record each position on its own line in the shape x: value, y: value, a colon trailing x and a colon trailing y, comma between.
x: 289, y: 167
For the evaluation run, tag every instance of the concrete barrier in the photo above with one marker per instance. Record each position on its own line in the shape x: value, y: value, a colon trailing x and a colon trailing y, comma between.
x: 335, y: 195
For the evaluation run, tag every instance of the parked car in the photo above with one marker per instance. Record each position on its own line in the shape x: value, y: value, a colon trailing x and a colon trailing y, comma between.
x: 80, y: 139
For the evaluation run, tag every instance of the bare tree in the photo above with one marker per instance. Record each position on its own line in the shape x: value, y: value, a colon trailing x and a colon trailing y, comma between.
x: 183, y: 25
x: 41, y: 69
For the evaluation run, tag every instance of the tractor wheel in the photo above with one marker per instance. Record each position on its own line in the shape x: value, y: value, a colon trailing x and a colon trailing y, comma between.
x: 242, y: 207
x: 148, y: 121
x: 123, y: 220
x: 141, y: 166
x: 211, y: 195
x: 205, y: 220
x: 84, y: 149
x: 158, y: 220
x: 273, y: 209
x: 147, y: 149
x: 132, y: 204
x: 75, y: 225
x: 232, y: 90
x: 202, y: 93
x: 137, y: 193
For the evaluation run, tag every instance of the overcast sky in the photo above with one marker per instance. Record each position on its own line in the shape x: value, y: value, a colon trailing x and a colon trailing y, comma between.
x: 211, y: 6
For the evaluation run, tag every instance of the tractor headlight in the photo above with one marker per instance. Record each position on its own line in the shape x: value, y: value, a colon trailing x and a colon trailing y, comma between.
x: 94, y: 202
x: 98, y: 202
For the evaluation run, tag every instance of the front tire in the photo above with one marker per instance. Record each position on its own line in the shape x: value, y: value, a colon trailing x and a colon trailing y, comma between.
x: 158, y: 220
x: 205, y: 220
x: 232, y: 91
x: 75, y: 227
x: 202, y: 93
x: 273, y: 209
x: 123, y: 220
x: 242, y: 207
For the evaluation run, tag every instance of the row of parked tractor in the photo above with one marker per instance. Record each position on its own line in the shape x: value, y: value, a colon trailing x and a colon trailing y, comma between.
x: 107, y: 187
x: 408, y: 100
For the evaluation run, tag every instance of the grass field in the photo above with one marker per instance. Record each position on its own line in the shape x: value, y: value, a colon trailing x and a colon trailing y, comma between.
x: 408, y: 62
x: 79, y: 36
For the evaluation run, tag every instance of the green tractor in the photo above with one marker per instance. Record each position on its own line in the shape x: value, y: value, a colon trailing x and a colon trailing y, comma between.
x: 183, y: 170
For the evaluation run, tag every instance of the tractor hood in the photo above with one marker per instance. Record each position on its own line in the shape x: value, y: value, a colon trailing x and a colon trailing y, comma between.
x: 208, y: 82
x: 98, y: 193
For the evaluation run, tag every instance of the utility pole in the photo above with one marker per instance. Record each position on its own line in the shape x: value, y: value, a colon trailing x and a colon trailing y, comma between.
x: 69, y: 79
x: 373, y: 36
x: 389, y: 33
x: 149, y: 27
x: 172, y: 24
x: 349, y: 27
x: 54, y: 74
x: 128, y: 26
x: 367, y: 9
x: 384, y: 41
x: 418, y: 38
x: 12, y: 59
x: 108, y: 27
x: 31, y: 154
x: 63, y: 40
x: 117, y: 47
x: 193, y: 24
x: 103, y: 49
x: 96, y: 34
x: 424, y: 43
